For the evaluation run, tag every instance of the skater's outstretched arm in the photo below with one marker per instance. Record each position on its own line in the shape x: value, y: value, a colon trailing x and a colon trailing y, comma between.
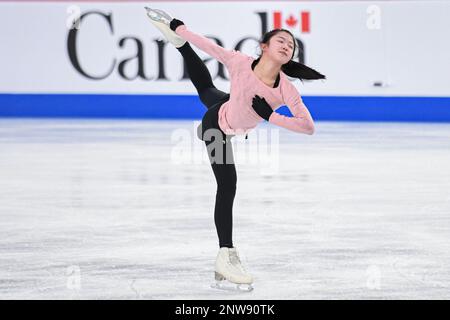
x: 301, y: 120
x: 210, y: 47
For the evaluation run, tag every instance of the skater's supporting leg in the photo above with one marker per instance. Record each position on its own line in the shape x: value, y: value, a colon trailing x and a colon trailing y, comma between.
x: 228, y: 267
x: 226, y: 178
x: 223, y: 211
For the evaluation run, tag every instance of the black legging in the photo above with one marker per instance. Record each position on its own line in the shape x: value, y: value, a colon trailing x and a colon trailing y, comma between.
x: 224, y: 171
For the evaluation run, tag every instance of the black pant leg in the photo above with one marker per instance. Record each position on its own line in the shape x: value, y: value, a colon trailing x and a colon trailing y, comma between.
x: 224, y: 169
x: 226, y: 178
x: 196, y: 68
x: 200, y: 77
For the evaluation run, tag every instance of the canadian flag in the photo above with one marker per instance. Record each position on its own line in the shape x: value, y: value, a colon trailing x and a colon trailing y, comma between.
x: 292, y: 21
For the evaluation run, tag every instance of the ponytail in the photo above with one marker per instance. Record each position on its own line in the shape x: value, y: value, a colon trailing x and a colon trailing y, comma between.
x: 298, y: 70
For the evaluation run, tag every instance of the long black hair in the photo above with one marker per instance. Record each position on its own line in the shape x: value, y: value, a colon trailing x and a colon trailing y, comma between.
x: 293, y: 68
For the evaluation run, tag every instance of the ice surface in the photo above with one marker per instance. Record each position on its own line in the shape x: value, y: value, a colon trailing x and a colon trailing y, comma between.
x: 95, y: 209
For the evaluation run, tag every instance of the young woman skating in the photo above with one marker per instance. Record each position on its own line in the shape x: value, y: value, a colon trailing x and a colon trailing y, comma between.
x: 258, y: 86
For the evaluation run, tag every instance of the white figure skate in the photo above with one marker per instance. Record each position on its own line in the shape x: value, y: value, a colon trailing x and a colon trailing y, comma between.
x: 161, y: 20
x: 229, y: 272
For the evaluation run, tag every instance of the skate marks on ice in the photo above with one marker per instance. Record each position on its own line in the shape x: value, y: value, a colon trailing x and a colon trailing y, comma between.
x: 96, y: 210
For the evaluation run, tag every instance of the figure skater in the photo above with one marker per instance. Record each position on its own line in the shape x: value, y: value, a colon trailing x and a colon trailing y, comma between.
x: 258, y: 86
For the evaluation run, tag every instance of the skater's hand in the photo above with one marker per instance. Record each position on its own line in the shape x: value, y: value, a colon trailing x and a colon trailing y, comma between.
x: 261, y: 107
x: 175, y: 23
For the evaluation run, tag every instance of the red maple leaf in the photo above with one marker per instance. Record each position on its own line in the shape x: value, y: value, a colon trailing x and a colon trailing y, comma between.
x: 291, y: 21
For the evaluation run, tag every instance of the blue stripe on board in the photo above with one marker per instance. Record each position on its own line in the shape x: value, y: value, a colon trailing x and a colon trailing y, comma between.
x: 339, y: 108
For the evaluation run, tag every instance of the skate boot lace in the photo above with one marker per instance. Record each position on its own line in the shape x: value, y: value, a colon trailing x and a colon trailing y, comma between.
x: 234, y: 259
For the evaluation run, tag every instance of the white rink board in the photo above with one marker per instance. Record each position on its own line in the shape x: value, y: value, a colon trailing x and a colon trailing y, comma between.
x: 409, y: 52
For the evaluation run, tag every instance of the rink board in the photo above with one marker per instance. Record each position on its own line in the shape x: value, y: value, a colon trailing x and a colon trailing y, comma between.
x: 433, y: 109
x: 380, y: 63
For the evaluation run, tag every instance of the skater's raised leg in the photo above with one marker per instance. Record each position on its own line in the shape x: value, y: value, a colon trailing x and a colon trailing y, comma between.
x: 161, y: 20
x: 201, y: 77
x: 199, y: 73
x: 197, y: 70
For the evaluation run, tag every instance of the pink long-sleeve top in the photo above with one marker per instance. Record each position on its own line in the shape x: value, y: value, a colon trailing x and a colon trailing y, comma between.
x: 236, y: 116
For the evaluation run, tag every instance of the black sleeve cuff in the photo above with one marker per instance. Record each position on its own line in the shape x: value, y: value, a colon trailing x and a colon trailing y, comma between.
x: 175, y: 23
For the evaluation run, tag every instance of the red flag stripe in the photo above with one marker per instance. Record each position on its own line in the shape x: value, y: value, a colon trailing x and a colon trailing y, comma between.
x: 277, y: 20
x: 305, y: 21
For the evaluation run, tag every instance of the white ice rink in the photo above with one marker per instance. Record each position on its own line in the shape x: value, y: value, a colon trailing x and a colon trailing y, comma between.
x: 95, y: 209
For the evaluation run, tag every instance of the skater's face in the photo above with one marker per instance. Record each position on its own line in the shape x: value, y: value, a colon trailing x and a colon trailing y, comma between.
x: 280, y: 47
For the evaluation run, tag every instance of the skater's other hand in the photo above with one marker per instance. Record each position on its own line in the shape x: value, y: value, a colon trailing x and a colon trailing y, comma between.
x: 261, y: 107
x: 175, y: 23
